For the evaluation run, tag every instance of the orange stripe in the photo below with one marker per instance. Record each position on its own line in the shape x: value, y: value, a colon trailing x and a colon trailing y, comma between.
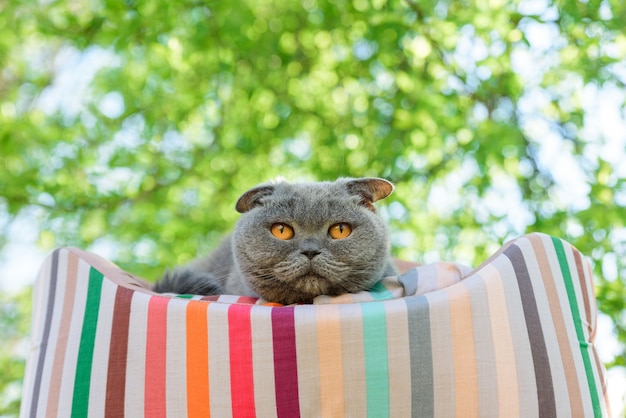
x: 330, y: 364
x: 504, y: 351
x: 465, y: 370
x: 197, y: 360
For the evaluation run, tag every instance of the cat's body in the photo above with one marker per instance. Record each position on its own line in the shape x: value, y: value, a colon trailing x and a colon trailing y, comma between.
x: 294, y: 242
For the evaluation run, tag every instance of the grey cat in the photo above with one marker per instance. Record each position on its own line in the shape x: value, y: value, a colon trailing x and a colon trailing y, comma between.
x: 294, y: 242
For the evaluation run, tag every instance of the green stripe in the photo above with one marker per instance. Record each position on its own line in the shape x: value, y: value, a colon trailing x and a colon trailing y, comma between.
x: 380, y: 292
x: 80, y: 402
x: 376, y: 366
x: 573, y: 303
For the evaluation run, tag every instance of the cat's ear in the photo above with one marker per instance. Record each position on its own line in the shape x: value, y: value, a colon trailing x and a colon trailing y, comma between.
x: 252, y: 198
x: 370, y: 190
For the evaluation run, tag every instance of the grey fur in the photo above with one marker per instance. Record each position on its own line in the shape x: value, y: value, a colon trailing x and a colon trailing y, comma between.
x: 252, y: 262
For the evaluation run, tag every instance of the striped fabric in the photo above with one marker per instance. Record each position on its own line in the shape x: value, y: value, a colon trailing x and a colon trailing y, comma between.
x: 512, y: 338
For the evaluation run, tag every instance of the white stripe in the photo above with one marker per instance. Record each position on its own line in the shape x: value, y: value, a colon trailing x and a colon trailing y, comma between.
x: 443, y: 354
x: 399, y: 358
x: 219, y: 360
x: 136, y: 359
x: 102, y: 346
x: 73, y: 341
x: 263, y: 362
x: 176, y: 359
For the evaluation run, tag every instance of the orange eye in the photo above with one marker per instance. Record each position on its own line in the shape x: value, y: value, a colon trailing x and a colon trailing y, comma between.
x: 340, y: 230
x: 282, y: 231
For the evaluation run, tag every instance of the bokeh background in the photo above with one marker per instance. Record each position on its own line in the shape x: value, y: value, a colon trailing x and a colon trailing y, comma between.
x: 130, y: 128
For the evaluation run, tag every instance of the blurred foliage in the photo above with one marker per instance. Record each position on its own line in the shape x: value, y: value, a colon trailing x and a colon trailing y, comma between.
x: 15, y: 312
x: 134, y: 126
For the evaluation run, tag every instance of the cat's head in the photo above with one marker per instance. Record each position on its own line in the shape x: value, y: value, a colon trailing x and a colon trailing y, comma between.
x: 294, y: 242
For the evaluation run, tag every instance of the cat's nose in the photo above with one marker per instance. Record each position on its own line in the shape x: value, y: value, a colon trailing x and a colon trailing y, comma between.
x: 310, y: 248
x: 310, y: 253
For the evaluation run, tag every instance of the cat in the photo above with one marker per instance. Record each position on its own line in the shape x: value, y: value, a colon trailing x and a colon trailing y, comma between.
x: 296, y: 241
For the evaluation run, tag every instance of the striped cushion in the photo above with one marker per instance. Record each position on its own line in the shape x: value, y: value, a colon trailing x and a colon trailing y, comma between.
x: 513, y: 337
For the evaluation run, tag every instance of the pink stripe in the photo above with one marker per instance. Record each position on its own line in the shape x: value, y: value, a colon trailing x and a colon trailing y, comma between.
x: 241, y: 372
x: 156, y: 342
x: 285, y: 362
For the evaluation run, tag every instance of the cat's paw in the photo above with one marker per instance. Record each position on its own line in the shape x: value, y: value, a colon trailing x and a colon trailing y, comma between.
x: 188, y: 282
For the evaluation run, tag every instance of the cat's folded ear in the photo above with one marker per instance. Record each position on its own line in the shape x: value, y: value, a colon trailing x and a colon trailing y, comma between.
x: 370, y: 190
x: 252, y: 198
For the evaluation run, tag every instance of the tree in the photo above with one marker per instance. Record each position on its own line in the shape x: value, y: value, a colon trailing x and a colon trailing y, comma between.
x: 137, y: 124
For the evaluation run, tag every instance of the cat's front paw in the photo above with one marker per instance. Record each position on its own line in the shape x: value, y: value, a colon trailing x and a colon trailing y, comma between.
x: 188, y: 282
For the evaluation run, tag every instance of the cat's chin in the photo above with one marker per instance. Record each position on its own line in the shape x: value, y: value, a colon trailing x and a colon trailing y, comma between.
x: 300, y: 289
x: 304, y: 280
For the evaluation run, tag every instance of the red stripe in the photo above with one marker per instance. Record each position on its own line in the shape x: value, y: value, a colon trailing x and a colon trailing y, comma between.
x: 116, y: 375
x: 249, y: 300
x: 156, y: 342
x: 241, y: 371
x: 285, y: 362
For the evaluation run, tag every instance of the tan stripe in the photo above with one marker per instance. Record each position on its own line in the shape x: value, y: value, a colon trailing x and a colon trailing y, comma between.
x: 136, y: 365
x: 565, y: 374
x: 578, y: 363
x: 330, y: 360
x: 572, y: 361
x: 449, y: 273
x: 73, y: 340
x: 550, y: 314
x: 504, y: 361
x: 219, y: 360
x: 48, y: 399
x: 353, y: 359
x: 176, y: 358
x: 263, y: 362
x: 113, y: 272
x: 600, y: 376
x: 585, y: 282
x: 102, y: 343
x: 399, y: 358
x: 443, y: 355
x: 585, y: 273
x: 306, y: 351
x: 462, y: 329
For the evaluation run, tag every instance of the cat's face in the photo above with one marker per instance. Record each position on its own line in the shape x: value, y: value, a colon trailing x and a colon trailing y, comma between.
x: 298, y: 241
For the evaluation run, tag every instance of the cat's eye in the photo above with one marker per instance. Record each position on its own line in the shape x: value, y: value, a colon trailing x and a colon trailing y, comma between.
x: 340, y: 230
x: 282, y: 231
